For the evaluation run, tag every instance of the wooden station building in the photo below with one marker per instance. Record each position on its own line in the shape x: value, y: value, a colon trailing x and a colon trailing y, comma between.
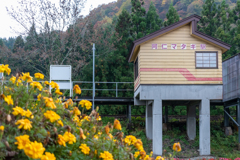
x: 178, y: 64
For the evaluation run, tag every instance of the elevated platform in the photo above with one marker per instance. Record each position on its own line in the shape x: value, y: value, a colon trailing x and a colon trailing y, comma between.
x: 108, y: 100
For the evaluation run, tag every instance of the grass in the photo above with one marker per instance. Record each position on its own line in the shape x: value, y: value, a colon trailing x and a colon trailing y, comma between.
x: 221, y: 145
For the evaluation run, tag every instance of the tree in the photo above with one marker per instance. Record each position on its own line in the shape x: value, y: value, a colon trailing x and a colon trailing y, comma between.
x: 138, y: 19
x: 19, y: 44
x: 172, y: 16
x: 153, y: 21
x: 48, y: 42
x: 208, y: 22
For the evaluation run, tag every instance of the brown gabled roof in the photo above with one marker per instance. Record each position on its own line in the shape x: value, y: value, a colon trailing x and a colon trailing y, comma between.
x: 193, y: 18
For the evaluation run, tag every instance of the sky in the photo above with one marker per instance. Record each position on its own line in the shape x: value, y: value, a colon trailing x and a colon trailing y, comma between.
x: 7, y: 22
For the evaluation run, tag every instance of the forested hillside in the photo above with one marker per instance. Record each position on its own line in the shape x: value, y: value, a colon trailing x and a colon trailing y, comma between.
x: 113, y: 28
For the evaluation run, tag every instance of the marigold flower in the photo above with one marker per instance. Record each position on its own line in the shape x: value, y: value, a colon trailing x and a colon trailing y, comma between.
x: 52, y: 116
x: 106, y: 156
x: 58, y: 92
x: 48, y: 156
x: 142, y: 154
x: 138, y: 144
x: 13, y: 79
x: 77, y: 89
x: 87, y: 118
x: 95, y: 136
x: 159, y: 158
x: 19, y: 81
x: 107, y: 129
x: 130, y: 139
x: 95, y: 152
x: 69, y: 137
x: 39, y: 97
x: 147, y: 157
x: 76, y: 111
x: 117, y: 125
x: 8, y: 99
x: 70, y: 102
x: 54, y: 85
x: 82, y: 136
x: 39, y: 75
x: 60, y: 123
x: 84, y: 148
x: 59, y: 100
x: 46, y: 82
x: 37, y: 85
x: 1, y: 128
x: 28, y: 113
x: 5, y: 68
x: 24, y: 123
x: 61, y: 140
x: 49, y: 102
x: 136, y: 154
x: 75, y: 118
x: 86, y: 103
x: 177, y: 147
x: 34, y: 150
x: 65, y: 105
x: 22, y: 141
x: 18, y: 110
x: 26, y: 76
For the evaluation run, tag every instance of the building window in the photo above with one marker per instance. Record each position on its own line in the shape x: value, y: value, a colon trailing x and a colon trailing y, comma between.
x: 206, y: 60
x: 136, y: 69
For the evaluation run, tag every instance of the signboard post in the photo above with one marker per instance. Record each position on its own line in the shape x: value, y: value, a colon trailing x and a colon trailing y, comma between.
x: 62, y: 73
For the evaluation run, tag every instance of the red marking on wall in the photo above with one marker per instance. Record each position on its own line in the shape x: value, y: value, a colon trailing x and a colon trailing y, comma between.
x: 185, y: 72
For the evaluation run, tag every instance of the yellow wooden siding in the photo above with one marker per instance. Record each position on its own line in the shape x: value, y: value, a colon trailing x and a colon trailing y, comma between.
x: 178, y: 58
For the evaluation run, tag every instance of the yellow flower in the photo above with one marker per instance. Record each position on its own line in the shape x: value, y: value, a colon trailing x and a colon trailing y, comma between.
x: 107, y: 129
x: 66, y: 105
x: 177, y: 147
x: 61, y: 140
x: 70, y: 102
x: 18, y: 82
x: 60, y: 123
x: 96, y: 136
x: 75, y: 119
x: 52, y: 116
x: 138, y: 144
x: 106, y: 156
x: 49, y: 102
x: 82, y: 136
x: 39, y: 76
x: 84, y: 148
x: 22, y: 141
x: 147, y: 157
x: 69, y: 137
x: 87, y: 118
x: 117, y: 125
x: 24, y: 123
x: 13, y: 79
x: 76, y: 111
x: 59, y: 100
x: 136, y: 154
x: 1, y: 128
x: 4, y: 68
x: 130, y: 139
x: 54, y: 85
x: 58, y: 92
x: 48, y: 156
x: 39, y: 97
x: 86, y: 103
x: 8, y: 99
x: 142, y: 154
x: 26, y: 76
x: 37, y: 85
x: 95, y: 152
x: 34, y: 150
x: 151, y: 153
x: 18, y: 110
x: 28, y: 113
x: 46, y: 82
x: 159, y: 158
x: 77, y: 89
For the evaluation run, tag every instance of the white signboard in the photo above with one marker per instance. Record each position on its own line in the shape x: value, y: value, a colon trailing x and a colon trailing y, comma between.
x: 60, y: 72
x: 65, y: 85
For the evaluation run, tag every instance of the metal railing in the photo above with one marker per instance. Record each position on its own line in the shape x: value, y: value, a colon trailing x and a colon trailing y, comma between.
x: 116, y: 89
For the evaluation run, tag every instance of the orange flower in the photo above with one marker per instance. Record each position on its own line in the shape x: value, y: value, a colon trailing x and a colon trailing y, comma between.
x: 107, y: 129
x: 117, y: 125
x: 82, y: 136
x: 77, y: 89
x: 177, y: 147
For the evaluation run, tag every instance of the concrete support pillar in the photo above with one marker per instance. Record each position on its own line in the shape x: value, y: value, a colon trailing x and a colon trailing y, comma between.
x: 191, y: 122
x: 148, y: 119
x: 166, y: 114
x: 204, y: 127
x: 157, y: 127
x: 226, y: 118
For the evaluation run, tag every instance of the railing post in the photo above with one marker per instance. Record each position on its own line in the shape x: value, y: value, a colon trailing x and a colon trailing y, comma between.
x: 116, y: 89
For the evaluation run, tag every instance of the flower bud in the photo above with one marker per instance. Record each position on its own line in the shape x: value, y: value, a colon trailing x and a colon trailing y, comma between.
x: 55, y: 130
x: 7, y: 145
x: 9, y: 118
x: 97, y: 108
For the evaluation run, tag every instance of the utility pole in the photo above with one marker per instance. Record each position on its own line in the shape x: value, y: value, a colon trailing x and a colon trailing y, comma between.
x: 93, y: 95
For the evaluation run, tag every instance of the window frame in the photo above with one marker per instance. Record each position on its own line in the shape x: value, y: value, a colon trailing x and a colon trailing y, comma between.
x: 216, y: 52
x: 136, y: 69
